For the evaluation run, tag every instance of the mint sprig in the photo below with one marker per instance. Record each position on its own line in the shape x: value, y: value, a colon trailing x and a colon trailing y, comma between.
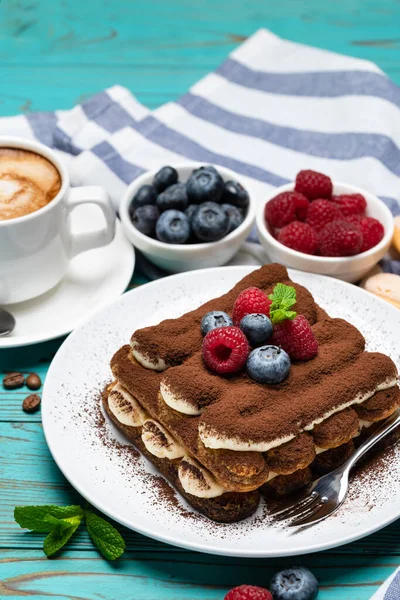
x: 61, y: 522
x: 104, y: 536
x: 283, y: 298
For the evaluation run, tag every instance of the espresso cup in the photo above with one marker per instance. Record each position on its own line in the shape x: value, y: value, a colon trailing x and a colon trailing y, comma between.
x: 35, y: 249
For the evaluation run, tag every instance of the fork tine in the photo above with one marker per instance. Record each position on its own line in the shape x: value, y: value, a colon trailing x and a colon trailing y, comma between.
x: 301, y: 511
x: 307, y: 514
x: 324, y: 510
x: 294, y: 505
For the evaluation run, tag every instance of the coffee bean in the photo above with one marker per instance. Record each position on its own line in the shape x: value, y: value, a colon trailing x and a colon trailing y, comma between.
x: 31, y: 403
x: 13, y: 381
x: 33, y: 381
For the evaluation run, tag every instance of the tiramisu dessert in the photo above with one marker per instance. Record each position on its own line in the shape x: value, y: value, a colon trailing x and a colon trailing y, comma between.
x: 255, y: 392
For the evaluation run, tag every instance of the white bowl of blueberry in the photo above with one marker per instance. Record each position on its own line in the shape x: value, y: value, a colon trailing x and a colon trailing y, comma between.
x: 189, y: 216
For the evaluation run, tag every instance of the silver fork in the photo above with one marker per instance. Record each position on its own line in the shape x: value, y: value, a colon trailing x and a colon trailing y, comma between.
x: 323, y: 497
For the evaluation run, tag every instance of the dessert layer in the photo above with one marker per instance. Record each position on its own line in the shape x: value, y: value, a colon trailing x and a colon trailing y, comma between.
x: 173, y: 341
x: 223, y: 506
x: 237, y: 470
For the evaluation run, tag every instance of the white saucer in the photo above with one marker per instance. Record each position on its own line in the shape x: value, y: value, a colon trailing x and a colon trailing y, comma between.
x: 96, y: 458
x: 93, y: 279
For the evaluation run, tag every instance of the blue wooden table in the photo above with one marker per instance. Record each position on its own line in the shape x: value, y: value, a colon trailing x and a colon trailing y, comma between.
x: 53, y: 54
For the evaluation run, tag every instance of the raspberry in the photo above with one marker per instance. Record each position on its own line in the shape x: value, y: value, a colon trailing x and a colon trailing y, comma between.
x: 340, y: 238
x: 350, y: 204
x: 372, y: 232
x: 354, y: 219
x: 281, y: 210
x: 296, y: 338
x: 321, y: 212
x: 313, y: 184
x: 250, y: 301
x: 248, y: 592
x: 285, y: 208
x: 300, y: 237
x: 225, y: 349
x: 301, y: 204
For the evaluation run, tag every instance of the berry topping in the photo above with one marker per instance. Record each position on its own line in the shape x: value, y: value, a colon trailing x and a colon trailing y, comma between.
x: 205, y: 184
x: 210, y: 222
x: 257, y: 328
x: 296, y: 337
x: 235, y: 217
x: 296, y: 583
x: 146, y: 194
x: 225, y: 350
x: 313, y: 184
x: 301, y: 205
x: 215, y: 319
x: 174, y: 197
x: 372, y: 232
x: 145, y: 218
x: 173, y: 227
x: 248, y: 592
x: 321, y: 212
x: 340, y: 238
x: 299, y: 236
x: 234, y: 193
x: 190, y: 210
x: 350, y: 204
x: 281, y: 210
x: 252, y: 300
x: 164, y: 178
x: 268, y: 364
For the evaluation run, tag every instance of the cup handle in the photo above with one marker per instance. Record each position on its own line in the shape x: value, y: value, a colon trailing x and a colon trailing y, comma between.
x: 91, y: 194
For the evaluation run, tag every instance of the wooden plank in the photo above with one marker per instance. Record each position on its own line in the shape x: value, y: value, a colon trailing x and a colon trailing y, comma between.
x: 28, y: 475
x: 192, y: 576
x: 159, y: 49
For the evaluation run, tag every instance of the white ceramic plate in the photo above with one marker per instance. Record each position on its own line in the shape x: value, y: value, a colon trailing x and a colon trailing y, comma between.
x: 123, y: 487
x: 93, y: 279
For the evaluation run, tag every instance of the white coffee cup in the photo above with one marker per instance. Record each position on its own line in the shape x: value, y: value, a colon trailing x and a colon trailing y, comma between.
x: 35, y: 249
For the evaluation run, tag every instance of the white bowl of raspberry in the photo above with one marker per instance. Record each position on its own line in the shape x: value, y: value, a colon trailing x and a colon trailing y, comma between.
x: 325, y: 227
x: 187, y: 216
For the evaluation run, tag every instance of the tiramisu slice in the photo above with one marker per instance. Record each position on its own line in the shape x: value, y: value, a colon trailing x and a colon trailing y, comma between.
x: 258, y: 390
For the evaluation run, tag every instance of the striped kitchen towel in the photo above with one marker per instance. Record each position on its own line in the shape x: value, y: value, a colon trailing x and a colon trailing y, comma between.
x: 272, y: 108
x: 390, y: 590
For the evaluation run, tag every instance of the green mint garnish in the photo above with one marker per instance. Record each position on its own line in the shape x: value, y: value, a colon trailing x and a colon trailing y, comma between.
x: 60, y: 535
x: 61, y: 522
x: 283, y: 298
x: 104, y: 536
x: 35, y: 517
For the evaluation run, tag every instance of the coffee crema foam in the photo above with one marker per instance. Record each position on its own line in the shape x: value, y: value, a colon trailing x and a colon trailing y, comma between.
x: 28, y: 182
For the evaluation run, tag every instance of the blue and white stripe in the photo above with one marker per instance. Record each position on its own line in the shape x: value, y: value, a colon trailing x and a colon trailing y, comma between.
x: 273, y: 108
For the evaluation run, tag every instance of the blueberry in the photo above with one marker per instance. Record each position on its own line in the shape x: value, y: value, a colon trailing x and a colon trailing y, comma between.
x: 190, y: 210
x: 235, y: 217
x: 173, y: 197
x: 296, y: 583
x: 235, y: 194
x: 146, y: 194
x: 210, y: 222
x: 173, y: 227
x: 164, y: 178
x: 145, y: 218
x: 257, y: 328
x: 268, y: 364
x: 204, y: 184
x: 206, y: 168
x: 214, y: 319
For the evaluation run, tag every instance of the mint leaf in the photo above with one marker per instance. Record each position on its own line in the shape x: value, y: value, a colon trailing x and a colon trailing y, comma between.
x: 59, y: 536
x: 283, y: 298
x: 280, y: 315
x: 61, y: 525
x: 34, y: 517
x: 107, y: 539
